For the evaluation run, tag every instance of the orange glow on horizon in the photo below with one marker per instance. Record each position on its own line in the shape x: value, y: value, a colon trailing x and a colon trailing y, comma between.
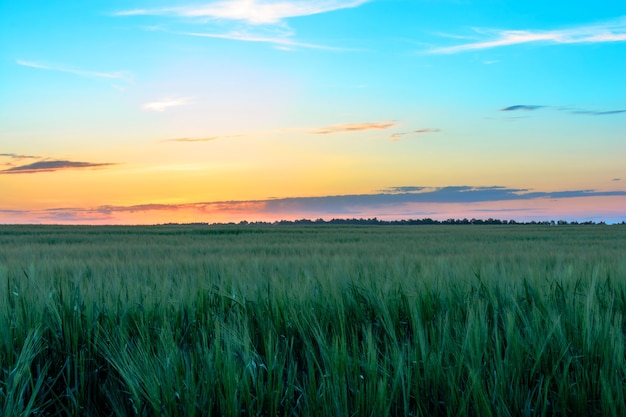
x: 581, y: 209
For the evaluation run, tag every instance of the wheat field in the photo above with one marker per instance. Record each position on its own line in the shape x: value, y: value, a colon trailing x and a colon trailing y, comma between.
x: 232, y: 320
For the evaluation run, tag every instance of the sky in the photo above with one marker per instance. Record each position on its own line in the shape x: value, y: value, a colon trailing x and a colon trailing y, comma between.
x: 159, y: 111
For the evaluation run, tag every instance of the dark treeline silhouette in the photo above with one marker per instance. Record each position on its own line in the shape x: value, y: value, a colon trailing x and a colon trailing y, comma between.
x: 409, y: 222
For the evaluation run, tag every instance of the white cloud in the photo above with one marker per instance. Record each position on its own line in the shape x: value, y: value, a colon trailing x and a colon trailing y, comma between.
x: 254, y: 12
x: 277, y: 41
x: 163, y: 105
x: 260, y: 21
x: 119, y: 75
x: 613, y: 31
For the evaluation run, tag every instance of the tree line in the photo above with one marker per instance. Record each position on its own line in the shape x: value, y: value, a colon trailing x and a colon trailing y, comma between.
x: 412, y: 222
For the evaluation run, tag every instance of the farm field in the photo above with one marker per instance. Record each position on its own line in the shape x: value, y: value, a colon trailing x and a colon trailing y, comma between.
x: 505, y: 320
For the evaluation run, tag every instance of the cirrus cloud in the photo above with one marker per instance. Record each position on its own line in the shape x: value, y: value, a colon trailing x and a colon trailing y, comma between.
x: 352, y: 127
x: 162, y: 105
x: 18, y: 156
x: 117, y: 75
x: 257, y: 21
x: 200, y: 140
x: 280, y: 41
x: 396, y: 137
x: 598, y: 113
x: 254, y: 12
x: 609, y: 31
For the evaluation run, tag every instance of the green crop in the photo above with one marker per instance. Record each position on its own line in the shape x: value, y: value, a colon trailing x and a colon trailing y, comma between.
x: 507, y: 320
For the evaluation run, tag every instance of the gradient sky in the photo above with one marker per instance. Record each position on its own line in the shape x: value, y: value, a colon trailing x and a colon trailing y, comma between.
x: 153, y: 111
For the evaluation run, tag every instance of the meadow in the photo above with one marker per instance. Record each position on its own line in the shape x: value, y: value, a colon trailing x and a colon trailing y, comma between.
x: 464, y: 320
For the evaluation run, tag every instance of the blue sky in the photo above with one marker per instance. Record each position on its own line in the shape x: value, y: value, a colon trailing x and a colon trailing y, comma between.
x: 110, y: 110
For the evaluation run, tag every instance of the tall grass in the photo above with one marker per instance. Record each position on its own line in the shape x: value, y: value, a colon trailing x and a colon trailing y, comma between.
x: 329, y: 321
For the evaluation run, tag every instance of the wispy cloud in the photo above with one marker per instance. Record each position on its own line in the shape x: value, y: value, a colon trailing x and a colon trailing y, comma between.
x: 403, y: 189
x: 118, y: 75
x: 199, y: 140
x: 611, y: 31
x: 52, y: 165
x: 18, y: 156
x: 396, y: 137
x: 259, y: 21
x: 282, y: 42
x: 11, y: 159
x: 326, y: 130
x: 524, y: 107
x: 8, y: 211
x: 352, y: 127
x: 598, y: 113
x: 253, y: 12
x: 567, y: 109
x: 162, y: 105
x: 191, y: 140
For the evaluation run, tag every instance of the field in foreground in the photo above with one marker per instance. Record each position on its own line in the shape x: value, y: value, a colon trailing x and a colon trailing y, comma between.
x: 313, y: 321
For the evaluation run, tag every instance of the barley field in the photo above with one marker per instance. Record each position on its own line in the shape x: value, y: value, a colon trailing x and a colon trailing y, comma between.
x: 464, y: 320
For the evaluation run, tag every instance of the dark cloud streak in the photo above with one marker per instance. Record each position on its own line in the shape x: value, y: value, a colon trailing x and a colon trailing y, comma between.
x: 352, y: 203
x: 348, y: 204
x: 527, y: 107
x: 16, y: 156
x: 402, y: 199
x: 523, y: 107
x: 598, y: 113
x: 51, y: 166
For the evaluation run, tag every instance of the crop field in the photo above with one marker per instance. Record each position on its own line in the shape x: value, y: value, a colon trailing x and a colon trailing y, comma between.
x: 465, y: 320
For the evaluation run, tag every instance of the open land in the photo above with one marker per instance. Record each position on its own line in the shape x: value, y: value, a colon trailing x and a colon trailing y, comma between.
x: 464, y: 320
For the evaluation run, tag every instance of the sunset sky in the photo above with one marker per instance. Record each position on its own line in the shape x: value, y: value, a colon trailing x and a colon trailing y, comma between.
x: 155, y: 111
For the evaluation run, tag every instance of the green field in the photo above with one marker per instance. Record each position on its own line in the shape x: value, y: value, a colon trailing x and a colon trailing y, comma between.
x: 508, y: 320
